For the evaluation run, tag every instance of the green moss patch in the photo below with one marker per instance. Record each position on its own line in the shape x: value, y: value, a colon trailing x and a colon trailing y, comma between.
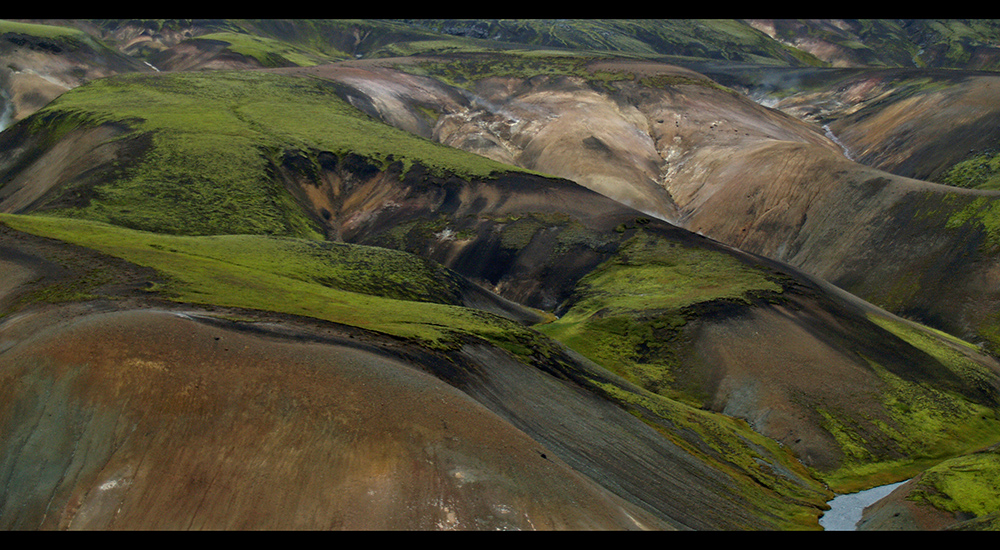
x: 627, y: 314
x: 978, y: 172
x: 983, y: 212
x: 922, y: 424
x: 213, y: 138
x: 269, y: 52
x: 380, y: 290
x: 968, y: 484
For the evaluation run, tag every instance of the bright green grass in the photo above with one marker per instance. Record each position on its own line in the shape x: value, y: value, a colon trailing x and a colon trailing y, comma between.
x: 969, y: 484
x: 213, y: 137
x: 936, y: 343
x: 629, y: 310
x: 265, y: 109
x: 291, y: 276
x: 925, y: 424
x: 42, y: 31
x: 270, y: 52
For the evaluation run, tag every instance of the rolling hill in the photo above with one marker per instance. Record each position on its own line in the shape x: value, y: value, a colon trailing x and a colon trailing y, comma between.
x: 490, y: 275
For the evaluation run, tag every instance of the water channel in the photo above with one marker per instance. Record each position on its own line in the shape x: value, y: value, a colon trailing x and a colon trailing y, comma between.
x: 833, y: 138
x: 845, y: 510
x: 6, y: 109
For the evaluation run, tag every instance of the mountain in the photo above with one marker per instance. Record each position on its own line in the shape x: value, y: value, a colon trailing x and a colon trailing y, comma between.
x: 488, y: 275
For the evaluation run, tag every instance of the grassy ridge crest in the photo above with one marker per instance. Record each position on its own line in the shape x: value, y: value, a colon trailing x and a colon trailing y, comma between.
x: 212, y: 140
x: 375, y: 289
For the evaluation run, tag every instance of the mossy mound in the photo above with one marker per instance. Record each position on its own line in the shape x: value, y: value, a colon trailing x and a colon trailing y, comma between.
x: 628, y: 313
x: 211, y: 144
x: 967, y: 486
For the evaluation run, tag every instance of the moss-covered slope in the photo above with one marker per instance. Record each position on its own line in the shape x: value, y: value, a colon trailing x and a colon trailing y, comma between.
x: 957, y: 494
x: 200, y: 149
x: 711, y: 472
x: 741, y: 370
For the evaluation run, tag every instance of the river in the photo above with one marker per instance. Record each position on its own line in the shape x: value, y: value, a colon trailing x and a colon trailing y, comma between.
x: 6, y: 109
x: 845, y: 510
x: 833, y: 138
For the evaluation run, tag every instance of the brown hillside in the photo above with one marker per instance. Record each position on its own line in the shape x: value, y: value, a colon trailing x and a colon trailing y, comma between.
x: 717, y: 163
x: 915, y: 123
x: 532, y: 239
x: 248, y: 420
x: 801, y: 362
x: 773, y: 362
x: 213, y: 420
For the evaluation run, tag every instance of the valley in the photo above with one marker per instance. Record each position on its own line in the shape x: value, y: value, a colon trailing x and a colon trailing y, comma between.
x: 496, y: 275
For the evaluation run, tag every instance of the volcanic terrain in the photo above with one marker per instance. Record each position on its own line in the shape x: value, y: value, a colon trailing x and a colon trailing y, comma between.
x: 480, y: 275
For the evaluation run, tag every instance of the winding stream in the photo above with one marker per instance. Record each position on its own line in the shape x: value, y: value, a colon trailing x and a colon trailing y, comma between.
x: 845, y: 510
x: 6, y: 109
x: 833, y: 138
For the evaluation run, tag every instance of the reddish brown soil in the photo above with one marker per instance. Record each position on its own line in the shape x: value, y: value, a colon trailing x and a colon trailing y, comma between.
x: 896, y: 513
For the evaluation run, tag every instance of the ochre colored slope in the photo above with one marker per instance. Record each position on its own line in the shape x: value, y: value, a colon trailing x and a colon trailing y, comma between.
x: 700, y: 474
x: 149, y: 420
x: 755, y: 178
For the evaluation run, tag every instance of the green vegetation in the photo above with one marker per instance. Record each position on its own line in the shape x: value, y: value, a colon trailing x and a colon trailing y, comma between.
x: 951, y: 39
x: 53, y: 38
x: 365, y: 287
x: 463, y: 71
x: 407, y: 297
x: 983, y: 212
x: 942, y: 346
x: 923, y: 425
x: 52, y: 32
x: 213, y: 138
x: 475, y: 64
x: 434, y: 44
x: 978, y: 172
x: 968, y: 484
x: 750, y: 460
x: 710, y: 38
x: 628, y: 313
x: 200, y: 205
x: 270, y: 52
